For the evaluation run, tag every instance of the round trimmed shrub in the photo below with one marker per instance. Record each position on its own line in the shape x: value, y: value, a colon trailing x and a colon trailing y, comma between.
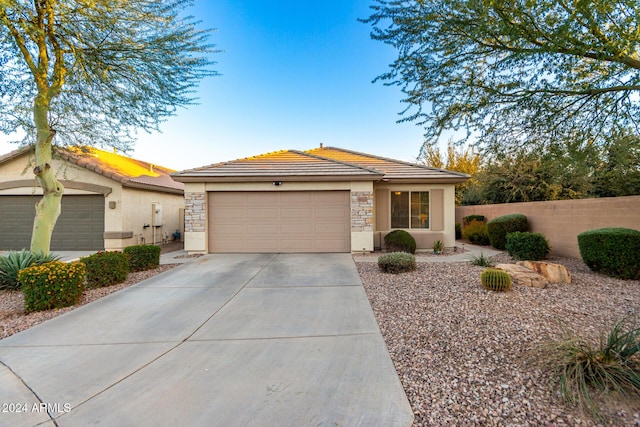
x: 612, y: 251
x: 476, y: 232
x: 106, y: 268
x: 400, y: 241
x: 397, y: 262
x: 499, y: 227
x: 527, y: 246
x: 142, y: 257
x: 495, y: 280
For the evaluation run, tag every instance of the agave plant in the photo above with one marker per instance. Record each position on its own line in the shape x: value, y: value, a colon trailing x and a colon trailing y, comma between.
x: 15, y: 261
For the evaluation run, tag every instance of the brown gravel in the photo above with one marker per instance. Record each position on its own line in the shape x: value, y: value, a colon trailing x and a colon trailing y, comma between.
x: 464, y: 354
x: 13, y: 318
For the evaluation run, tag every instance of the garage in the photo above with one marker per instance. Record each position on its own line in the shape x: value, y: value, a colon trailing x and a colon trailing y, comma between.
x: 279, y: 221
x: 79, y: 227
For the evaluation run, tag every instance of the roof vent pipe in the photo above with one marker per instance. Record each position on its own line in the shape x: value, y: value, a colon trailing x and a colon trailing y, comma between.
x: 321, y: 145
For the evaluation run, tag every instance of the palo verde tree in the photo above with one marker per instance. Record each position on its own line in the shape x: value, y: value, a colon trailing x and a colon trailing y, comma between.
x: 93, y: 72
x: 515, y: 72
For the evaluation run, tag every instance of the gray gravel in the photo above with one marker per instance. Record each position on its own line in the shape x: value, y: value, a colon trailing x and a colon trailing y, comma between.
x: 464, y: 354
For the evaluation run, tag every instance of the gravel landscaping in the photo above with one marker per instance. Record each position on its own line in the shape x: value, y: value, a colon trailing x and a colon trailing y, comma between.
x: 467, y: 356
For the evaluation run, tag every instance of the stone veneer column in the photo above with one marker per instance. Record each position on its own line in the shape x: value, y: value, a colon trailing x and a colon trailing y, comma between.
x: 194, y: 212
x: 361, y: 211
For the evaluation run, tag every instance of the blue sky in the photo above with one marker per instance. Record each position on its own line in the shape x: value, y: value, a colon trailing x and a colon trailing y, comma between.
x: 293, y: 75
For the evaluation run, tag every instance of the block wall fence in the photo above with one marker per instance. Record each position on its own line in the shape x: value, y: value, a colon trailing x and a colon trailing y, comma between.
x: 561, y: 221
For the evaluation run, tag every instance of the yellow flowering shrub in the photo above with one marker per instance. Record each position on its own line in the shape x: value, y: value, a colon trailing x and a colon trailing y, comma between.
x: 52, y: 285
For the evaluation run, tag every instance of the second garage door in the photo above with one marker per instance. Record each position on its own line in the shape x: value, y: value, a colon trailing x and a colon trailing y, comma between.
x: 279, y: 222
x: 79, y: 227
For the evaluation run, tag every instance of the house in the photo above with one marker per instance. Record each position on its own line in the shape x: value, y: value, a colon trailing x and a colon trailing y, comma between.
x: 110, y: 201
x: 321, y: 200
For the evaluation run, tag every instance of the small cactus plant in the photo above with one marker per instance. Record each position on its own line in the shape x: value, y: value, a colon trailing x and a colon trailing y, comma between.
x: 495, y: 280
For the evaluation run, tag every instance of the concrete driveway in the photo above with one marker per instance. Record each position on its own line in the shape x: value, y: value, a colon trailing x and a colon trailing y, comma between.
x: 225, y: 340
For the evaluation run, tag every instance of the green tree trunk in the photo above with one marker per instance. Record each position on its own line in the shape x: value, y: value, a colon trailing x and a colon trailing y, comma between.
x: 48, y: 208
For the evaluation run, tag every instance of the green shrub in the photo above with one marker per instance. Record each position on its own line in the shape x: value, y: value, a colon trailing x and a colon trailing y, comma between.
x: 106, y: 268
x: 467, y: 219
x: 13, y: 262
x: 612, y: 251
x: 400, y: 241
x: 476, y: 232
x: 580, y: 367
x: 499, y: 227
x: 52, y: 285
x: 527, y: 246
x: 458, y: 231
x: 142, y: 257
x: 495, y: 280
x: 397, y: 262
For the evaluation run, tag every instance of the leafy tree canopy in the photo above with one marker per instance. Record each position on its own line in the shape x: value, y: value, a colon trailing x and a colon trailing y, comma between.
x: 108, y: 67
x: 512, y: 72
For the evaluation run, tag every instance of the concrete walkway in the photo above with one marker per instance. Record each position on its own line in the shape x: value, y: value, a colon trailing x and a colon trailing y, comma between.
x: 470, y: 252
x: 223, y: 340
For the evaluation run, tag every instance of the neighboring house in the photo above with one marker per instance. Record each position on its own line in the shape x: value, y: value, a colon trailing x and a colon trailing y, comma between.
x: 321, y: 200
x: 110, y: 201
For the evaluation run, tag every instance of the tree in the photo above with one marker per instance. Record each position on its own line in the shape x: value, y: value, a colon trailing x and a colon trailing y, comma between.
x: 618, y: 171
x: 465, y: 161
x: 515, y: 72
x: 93, y: 72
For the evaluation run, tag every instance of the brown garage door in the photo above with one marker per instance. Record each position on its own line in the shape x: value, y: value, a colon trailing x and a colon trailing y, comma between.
x: 79, y: 227
x: 279, y: 222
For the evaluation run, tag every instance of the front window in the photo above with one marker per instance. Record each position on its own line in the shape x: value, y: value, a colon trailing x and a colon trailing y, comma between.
x: 409, y: 209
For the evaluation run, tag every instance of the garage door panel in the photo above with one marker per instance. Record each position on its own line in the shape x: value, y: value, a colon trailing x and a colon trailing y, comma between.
x: 230, y: 213
x: 333, y: 213
x: 296, y: 230
x: 280, y: 221
x: 262, y: 214
x: 297, y: 213
x: 256, y: 230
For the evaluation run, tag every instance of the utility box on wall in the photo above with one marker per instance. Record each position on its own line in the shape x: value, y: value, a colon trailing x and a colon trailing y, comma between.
x: 156, y: 214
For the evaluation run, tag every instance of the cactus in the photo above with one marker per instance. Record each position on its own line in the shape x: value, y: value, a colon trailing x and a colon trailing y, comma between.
x: 495, y: 280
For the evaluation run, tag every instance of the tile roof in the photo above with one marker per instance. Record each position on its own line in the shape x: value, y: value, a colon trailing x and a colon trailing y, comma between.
x: 129, y: 172
x: 392, y: 169
x: 324, y: 163
x: 291, y: 164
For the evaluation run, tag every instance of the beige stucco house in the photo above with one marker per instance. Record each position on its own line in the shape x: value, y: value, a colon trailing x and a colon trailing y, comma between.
x: 110, y: 201
x: 321, y: 200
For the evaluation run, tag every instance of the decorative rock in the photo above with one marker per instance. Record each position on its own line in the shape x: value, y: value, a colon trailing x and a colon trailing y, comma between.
x: 554, y: 273
x: 521, y: 275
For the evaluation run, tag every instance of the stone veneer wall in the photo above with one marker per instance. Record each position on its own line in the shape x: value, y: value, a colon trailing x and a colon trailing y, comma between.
x: 361, y: 211
x: 194, y: 212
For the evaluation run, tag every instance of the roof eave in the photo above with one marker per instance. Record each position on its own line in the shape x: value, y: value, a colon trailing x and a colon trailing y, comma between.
x: 443, y: 180
x: 152, y: 187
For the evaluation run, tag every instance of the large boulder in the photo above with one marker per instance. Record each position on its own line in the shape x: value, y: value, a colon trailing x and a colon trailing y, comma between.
x: 524, y: 276
x: 554, y: 273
